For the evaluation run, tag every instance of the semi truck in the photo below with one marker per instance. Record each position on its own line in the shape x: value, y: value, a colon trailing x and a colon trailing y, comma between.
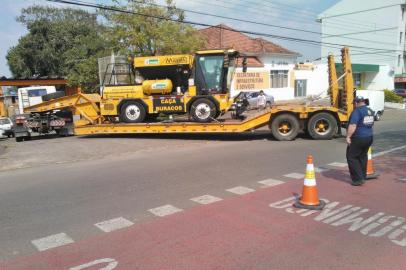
x: 198, y: 87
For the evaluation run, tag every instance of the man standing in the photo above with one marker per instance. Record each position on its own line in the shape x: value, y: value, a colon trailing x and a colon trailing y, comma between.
x: 359, y: 139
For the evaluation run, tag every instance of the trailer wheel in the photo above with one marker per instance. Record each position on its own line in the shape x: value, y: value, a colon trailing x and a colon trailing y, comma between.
x: 285, y: 127
x: 132, y: 112
x: 322, y: 126
x: 203, y: 110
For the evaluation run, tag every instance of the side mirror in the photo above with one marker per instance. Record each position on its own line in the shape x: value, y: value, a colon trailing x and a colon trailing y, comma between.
x: 244, y: 64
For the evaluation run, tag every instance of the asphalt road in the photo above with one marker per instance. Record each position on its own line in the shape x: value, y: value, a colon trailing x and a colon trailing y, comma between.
x: 70, y: 198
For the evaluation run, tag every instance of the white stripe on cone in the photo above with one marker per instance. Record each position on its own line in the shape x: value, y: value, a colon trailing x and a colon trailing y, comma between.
x: 310, y: 182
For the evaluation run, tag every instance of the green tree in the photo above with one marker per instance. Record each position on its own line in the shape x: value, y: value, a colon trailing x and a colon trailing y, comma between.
x: 62, y: 42
x: 148, y: 34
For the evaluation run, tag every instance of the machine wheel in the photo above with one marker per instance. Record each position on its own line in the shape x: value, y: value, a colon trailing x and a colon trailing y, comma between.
x: 285, y: 127
x: 322, y: 126
x: 132, y: 112
x: 378, y: 116
x: 203, y: 110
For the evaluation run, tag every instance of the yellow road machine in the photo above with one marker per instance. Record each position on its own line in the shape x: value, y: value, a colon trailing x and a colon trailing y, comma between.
x: 175, y: 84
x: 198, y: 87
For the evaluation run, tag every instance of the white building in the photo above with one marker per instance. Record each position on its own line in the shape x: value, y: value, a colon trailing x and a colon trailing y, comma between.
x: 273, y: 68
x: 375, y: 32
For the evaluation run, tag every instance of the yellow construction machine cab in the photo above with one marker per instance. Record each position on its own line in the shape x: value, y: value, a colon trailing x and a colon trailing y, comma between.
x: 174, y: 84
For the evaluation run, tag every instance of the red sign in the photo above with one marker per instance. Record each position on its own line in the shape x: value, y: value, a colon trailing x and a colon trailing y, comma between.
x: 403, y: 79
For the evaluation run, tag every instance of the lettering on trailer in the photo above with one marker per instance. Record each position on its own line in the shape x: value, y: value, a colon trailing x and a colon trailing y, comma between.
x: 354, y: 218
x: 168, y: 104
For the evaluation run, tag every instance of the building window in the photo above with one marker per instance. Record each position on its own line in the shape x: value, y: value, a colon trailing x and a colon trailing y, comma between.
x: 300, y: 88
x: 279, y: 78
x: 399, y: 60
x: 400, y: 37
x: 357, y: 80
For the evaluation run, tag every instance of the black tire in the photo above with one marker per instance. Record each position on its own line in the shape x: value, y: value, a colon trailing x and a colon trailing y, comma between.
x: 285, y: 127
x: 203, y: 110
x: 19, y: 139
x: 378, y: 116
x: 132, y: 112
x: 322, y: 126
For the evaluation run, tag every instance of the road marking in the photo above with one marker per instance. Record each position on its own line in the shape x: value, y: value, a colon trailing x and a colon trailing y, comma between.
x: 113, y: 224
x: 111, y: 264
x: 338, y: 164
x: 295, y: 175
x: 240, y: 190
x: 388, y: 151
x: 354, y: 218
x: 271, y: 182
x: 206, y: 199
x: 52, y: 241
x: 164, y: 210
x: 321, y: 169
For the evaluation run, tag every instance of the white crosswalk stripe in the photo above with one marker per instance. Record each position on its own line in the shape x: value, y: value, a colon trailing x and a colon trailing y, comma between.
x: 52, y: 241
x: 113, y: 224
x: 240, y: 190
x: 165, y: 210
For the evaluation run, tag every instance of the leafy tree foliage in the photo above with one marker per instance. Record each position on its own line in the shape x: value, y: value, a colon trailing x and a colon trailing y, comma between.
x: 67, y: 42
x: 60, y: 42
x: 147, y: 33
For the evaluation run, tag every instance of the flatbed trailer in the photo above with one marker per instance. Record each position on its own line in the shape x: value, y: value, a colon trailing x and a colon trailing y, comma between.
x: 285, y: 121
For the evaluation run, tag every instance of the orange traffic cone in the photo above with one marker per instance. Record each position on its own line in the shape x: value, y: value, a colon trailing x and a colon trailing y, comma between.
x: 371, y: 174
x: 310, y: 199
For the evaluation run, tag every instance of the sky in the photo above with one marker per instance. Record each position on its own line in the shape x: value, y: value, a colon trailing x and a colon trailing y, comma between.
x: 300, y: 14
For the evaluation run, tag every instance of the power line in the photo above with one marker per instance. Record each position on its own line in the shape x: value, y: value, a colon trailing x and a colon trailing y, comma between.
x: 235, y: 19
x: 115, y: 9
x: 361, y: 32
x: 265, y: 24
x: 359, y: 11
x: 311, y: 22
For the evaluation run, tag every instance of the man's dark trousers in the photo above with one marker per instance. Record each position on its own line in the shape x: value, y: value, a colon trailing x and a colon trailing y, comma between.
x: 357, y: 158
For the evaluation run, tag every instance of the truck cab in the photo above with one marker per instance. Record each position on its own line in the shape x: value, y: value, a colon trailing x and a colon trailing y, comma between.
x: 197, y: 85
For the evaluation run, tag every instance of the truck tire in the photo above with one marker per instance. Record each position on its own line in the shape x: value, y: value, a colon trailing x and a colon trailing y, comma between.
x: 322, y: 126
x: 378, y: 116
x: 203, y: 110
x: 132, y: 112
x: 285, y: 127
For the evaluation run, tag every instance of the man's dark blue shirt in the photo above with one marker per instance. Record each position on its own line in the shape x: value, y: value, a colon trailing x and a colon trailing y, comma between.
x: 363, y: 117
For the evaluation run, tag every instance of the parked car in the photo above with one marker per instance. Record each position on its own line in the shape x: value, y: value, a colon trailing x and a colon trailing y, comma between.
x: 401, y: 92
x: 252, y: 98
x: 2, y: 134
x: 7, y: 126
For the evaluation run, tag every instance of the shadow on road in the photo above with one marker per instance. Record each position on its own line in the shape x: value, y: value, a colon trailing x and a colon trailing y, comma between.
x: 245, y: 136
x: 338, y: 175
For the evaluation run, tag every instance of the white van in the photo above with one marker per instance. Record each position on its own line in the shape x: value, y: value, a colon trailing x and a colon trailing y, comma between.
x: 376, y: 101
x: 29, y: 96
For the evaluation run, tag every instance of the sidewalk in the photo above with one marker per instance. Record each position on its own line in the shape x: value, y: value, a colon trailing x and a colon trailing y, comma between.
x: 360, y: 228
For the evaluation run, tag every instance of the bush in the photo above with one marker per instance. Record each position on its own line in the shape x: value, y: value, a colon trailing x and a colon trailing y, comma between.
x: 390, y: 96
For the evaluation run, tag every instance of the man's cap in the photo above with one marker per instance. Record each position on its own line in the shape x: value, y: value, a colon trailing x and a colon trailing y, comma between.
x: 359, y: 99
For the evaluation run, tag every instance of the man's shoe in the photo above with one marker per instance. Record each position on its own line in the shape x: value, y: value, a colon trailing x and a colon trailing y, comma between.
x: 357, y: 183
